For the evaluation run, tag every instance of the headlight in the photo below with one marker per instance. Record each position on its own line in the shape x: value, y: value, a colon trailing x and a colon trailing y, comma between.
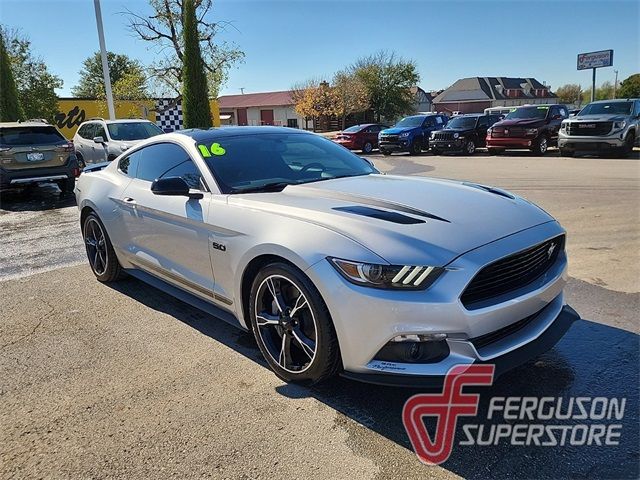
x: 532, y: 131
x: 619, y: 125
x: 488, y: 132
x: 433, y: 134
x: 456, y: 135
x: 403, y: 277
x: 405, y: 134
x: 563, y: 125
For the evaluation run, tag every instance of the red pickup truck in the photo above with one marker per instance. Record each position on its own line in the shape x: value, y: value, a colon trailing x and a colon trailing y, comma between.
x: 530, y: 127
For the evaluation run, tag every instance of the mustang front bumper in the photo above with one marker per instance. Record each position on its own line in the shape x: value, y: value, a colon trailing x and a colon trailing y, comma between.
x: 519, y: 325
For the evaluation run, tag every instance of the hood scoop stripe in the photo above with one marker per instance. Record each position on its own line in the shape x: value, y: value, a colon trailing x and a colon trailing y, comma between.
x: 380, y: 214
x: 348, y: 197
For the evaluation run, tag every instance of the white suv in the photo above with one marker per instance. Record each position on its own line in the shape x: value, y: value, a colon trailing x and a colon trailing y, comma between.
x: 98, y: 140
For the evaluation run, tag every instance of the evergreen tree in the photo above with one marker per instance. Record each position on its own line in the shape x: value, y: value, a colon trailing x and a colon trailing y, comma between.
x: 195, y: 100
x: 10, y: 108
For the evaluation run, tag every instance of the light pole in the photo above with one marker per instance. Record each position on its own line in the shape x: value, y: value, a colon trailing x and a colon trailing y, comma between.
x: 105, y: 64
x: 615, y: 84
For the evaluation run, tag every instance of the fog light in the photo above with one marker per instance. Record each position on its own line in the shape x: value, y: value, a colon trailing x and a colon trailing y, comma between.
x: 429, y: 348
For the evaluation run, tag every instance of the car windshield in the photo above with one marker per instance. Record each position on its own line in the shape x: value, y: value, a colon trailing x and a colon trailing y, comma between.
x: 15, y: 136
x: 528, y: 112
x: 462, y: 123
x: 613, y: 108
x: 272, y: 161
x: 410, y: 122
x: 354, y: 129
x: 133, y: 130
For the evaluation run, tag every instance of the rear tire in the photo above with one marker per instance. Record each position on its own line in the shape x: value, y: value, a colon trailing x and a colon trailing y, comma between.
x: 102, y: 257
x: 292, y: 325
x: 66, y: 186
x: 367, y: 147
x: 386, y: 153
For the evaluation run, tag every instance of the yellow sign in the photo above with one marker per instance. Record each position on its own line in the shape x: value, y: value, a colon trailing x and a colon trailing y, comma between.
x: 73, y: 111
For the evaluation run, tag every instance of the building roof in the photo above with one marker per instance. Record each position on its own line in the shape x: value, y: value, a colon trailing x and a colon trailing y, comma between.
x: 474, y: 89
x: 265, y: 99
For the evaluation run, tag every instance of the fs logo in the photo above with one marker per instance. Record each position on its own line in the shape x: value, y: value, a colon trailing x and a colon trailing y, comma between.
x: 447, y: 406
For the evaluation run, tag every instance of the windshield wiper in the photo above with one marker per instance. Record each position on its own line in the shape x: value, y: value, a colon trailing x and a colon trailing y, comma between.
x: 267, y: 187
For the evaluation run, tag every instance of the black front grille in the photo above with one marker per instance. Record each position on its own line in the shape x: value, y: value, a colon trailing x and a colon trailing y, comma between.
x: 588, y: 129
x: 511, y: 273
x: 443, y: 136
x: 389, y: 138
x: 491, y: 337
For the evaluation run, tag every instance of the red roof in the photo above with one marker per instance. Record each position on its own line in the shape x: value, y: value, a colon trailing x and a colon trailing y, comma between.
x: 267, y: 99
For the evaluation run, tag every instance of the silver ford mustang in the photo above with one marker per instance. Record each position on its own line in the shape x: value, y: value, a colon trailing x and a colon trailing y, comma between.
x: 334, y: 267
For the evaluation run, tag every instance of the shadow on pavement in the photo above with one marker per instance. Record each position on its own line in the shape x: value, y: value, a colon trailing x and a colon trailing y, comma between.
x: 592, y: 360
x: 35, y: 198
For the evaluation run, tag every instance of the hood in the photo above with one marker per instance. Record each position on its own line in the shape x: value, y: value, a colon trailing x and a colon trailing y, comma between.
x: 397, y: 130
x: 405, y: 220
x: 455, y: 130
x: 601, y: 118
x: 523, y: 122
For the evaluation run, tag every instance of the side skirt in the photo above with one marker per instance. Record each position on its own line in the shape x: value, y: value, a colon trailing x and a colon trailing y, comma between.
x: 186, y: 297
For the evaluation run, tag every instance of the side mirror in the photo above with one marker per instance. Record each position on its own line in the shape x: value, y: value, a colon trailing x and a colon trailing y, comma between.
x: 173, y: 186
x: 98, y: 139
x: 557, y: 117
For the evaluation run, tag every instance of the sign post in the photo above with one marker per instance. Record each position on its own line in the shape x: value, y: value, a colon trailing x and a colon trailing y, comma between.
x: 593, y: 60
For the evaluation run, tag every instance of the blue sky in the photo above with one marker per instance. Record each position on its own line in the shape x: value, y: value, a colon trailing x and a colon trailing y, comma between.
x: 289, y: 41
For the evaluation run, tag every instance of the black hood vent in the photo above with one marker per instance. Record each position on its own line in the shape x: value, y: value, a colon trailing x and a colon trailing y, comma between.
x: 385, y: 215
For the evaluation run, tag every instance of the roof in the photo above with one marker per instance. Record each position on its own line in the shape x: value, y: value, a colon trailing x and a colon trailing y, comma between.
x: 117, y: 120
x: 205, y: 135
x: 24, y: 124
x: 475, y: 89
x: 266, y: 99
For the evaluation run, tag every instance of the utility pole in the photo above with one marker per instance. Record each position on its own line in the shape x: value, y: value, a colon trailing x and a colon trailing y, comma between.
x: 593, y: 86
x: 242, y: 90
x: 105, y: 64
x: 615, y: 84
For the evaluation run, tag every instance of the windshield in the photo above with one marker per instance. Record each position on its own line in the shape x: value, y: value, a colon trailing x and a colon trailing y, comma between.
x: 354, y: 129
x: 133, y: 130
x: 15, y: 136
x: 462, y: 123
x: 613, y: 108
x: 410, y: 122
x: 250, y: 162
x: 529, y: 112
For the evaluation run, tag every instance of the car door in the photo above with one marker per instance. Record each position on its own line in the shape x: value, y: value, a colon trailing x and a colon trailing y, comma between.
x: 371, y: 135
x: 168, y: 236
x: 100, y: 150
x: 481, y: 130
x: 85, y: 142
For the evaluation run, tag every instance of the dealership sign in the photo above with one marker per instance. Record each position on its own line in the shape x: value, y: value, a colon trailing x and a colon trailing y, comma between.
x: 603, y: 58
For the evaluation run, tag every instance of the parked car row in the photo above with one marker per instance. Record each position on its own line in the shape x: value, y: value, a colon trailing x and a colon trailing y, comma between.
x: 611, y: 126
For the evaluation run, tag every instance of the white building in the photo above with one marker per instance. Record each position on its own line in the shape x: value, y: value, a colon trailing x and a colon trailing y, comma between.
x: 268, y: 108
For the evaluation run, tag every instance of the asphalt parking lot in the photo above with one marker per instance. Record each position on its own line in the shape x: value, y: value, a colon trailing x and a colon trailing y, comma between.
x: 123, y: 381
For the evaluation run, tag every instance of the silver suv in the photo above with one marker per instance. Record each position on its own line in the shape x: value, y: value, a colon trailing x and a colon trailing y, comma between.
x: 98, y: 140
x: 607, y: 126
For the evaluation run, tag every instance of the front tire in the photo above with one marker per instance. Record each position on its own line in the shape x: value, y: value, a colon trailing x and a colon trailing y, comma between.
x: 386, y: 153
x: 292, y: 325
x: 415, y: 148
x: 102, y: 257
x: 566, y: 153
x: 470, y: 147
x: 540, y: 145
x: 627, y: 150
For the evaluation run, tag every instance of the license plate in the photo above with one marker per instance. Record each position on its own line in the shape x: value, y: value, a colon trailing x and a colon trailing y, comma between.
x: 35, y: 156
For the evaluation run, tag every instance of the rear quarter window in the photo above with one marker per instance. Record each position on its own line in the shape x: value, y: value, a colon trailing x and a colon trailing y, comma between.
x: 16, y: 136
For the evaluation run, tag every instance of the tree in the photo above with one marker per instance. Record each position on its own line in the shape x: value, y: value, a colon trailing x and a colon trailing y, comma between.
x: 91, y: 84
x: 350, y: 94
x: 569, y: 93
x: 130, y: 89
x: 315, y: 99
x: 10, y: 108
x: 630, y: 87
x: 603, y: 92
x: 164, y: 29
x: 388, y: 80
x: 35, y: 84
x: 195, y: 99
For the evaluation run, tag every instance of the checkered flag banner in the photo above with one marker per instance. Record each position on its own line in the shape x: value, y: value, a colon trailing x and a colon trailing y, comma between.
x: 168, y: 115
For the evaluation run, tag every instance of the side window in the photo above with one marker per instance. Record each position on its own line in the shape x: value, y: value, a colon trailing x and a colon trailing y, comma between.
x: 99, y: 132
x: 129, y: 164
x: 563, y: 112
x: 82, y: 131
x: 167, y: 160
x: 483, y: 122
x: 88, y: 130
x: 636, y: 110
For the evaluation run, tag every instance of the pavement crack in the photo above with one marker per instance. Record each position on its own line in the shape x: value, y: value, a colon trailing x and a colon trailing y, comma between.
x: 39, y: 322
